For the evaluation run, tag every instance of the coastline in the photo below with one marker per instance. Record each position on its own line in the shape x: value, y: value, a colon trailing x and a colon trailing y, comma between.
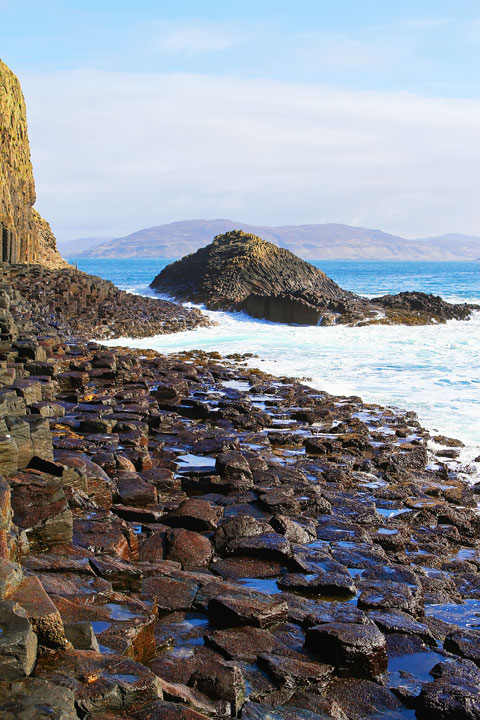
x: 383, y: 376
x: 196, y: 534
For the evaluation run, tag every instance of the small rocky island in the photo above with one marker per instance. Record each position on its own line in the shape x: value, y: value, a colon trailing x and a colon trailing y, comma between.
x: 240, y: 271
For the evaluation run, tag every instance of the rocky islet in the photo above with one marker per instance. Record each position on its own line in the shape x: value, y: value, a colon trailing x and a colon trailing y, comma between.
x: 241, y: 272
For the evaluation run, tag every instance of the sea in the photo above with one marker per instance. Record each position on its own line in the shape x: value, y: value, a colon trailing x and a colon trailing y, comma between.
x: 433, y: 370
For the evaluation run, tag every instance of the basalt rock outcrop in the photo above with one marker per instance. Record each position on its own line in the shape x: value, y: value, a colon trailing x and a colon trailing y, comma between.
x: 25, y: 236
x: 185, y: 537
x: 239, y: 271
x: 76, y: 304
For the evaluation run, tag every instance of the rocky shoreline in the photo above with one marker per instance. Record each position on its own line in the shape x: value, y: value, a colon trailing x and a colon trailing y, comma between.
x: 189, y: 538
x: 76, y: 304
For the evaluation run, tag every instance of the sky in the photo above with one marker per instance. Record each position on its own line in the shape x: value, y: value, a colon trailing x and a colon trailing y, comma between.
x: 274, y: 113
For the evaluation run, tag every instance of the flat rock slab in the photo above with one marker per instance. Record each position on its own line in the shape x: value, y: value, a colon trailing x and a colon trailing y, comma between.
x: 465, y: 643
x: 35, y: 699
x: 327, y: 583
x: 99, y: 682
x: 41, y: 509
x: 395, y: 621
x: 396, y: 596
x: 170, y: 593
x: 259, y: 711
x: 123, y: 576
x: 41, y: 612
x: 293, y: 671
x: 105, y: 534
x: 227, y: 611
x: 357, y: 650
x: 194, y: 514
x: 18, y: 642
x: 361, y: 699
x: 159, y: 710
x: 269, y: 545
x: 243, y: 643
x: 234, y: 568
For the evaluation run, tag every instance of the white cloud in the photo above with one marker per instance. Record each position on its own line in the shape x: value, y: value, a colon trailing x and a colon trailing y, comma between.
x: 425, y: 23
x: 470, y: 31
x: 192, y: 38
x: 115, y: 152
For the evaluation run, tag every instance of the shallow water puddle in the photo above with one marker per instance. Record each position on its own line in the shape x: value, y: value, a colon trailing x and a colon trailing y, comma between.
x: 241, y: 385
x: 465, y: 615
x: 387, y: 531
x: 190, y: 461
x: 390, y: 513
x: 264, y: 585
x: 413, y: 670
x: 120, y: 612
x: 99, y: 626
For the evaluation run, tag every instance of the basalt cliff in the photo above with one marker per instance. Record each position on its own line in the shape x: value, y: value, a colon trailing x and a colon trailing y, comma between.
x: 239, y: 271
x: 25, y: 236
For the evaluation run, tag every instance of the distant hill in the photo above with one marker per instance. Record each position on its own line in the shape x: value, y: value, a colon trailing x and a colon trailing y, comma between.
x: 314, y: 242
x: 73, y: 248
x: 465, y: 246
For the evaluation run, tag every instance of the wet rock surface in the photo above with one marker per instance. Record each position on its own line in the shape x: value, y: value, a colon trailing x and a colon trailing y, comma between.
x: 185, y: 537
x: 240, y: 271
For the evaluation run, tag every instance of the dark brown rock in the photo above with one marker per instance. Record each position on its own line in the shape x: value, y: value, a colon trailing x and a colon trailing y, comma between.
x: 99, y: 682
x: 34, y: 698
x: 357, y: 650
x: 194, y: 514
x: 122, y: 575
x: 41, y: 509
x: 231, y: 612
x: 41, y: 613
x: 453, y: 695
x: 465, y: 643
x: 170, y: 593
x: 188, y: 548
x: 243, y: 643
x: 18, y: 642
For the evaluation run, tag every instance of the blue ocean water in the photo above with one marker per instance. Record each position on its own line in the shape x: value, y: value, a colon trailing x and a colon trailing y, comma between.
x: 434, y: 370
x: 458, y: 280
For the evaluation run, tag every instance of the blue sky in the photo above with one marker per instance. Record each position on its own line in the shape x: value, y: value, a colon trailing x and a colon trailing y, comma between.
x: 270, y: 112
x: 428, y: 47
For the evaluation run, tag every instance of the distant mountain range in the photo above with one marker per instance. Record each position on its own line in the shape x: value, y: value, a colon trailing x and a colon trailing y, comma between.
x: 73, y: 248
x: 314, y: 242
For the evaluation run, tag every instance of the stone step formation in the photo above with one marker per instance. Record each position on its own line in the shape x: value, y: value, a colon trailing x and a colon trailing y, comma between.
x: 186, y: 537
x: 77, y: 304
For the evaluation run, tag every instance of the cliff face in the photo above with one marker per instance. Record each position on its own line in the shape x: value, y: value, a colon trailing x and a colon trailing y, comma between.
x: 25, y: 236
